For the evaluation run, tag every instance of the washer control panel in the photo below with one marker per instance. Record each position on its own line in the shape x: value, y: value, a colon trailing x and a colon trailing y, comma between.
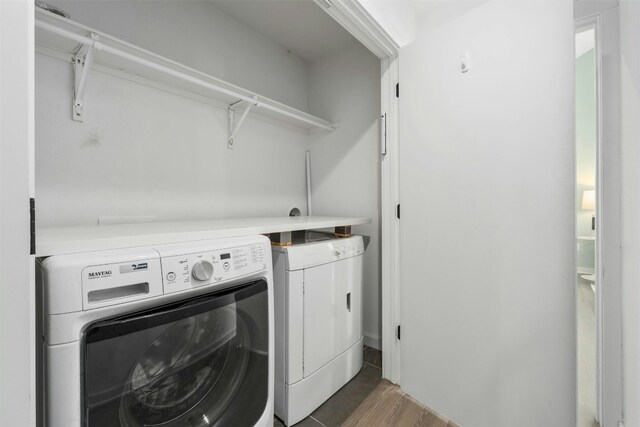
x: 181, y: 272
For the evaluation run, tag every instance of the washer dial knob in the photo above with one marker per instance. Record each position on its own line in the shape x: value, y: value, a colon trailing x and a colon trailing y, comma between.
x: 202, y: 270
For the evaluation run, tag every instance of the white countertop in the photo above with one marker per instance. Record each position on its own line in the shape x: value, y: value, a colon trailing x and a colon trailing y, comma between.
x: 66, y: 240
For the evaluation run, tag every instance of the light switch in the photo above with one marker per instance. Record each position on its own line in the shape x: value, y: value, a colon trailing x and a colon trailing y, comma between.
x: 465, y: 62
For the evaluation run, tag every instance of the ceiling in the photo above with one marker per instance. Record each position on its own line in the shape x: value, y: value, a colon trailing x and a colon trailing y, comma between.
x: 299, y: 26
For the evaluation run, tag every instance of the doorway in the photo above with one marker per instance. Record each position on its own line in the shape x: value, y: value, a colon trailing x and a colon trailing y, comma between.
x: 588, y: 286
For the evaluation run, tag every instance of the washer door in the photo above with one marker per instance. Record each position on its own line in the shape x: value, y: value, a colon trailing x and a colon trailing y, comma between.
x: 199, y: 362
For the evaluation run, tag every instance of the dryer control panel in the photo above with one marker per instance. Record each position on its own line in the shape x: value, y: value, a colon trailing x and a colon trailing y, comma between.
x: 187, y: 271
x: 313, y: 254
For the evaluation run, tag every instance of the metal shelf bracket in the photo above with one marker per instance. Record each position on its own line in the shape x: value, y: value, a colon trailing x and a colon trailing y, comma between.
x: 233, y: 127
x: 82, y: 61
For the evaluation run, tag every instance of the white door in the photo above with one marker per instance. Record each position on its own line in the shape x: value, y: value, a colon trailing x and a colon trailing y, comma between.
x: 332, y: 311
x: 486, y: 188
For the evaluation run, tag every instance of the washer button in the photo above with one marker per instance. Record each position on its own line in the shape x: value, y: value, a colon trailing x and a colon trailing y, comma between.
x: 171, y: 276
x: 226, y: 266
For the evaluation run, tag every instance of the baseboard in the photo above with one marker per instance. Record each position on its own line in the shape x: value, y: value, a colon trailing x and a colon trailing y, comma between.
x: 373, y: 342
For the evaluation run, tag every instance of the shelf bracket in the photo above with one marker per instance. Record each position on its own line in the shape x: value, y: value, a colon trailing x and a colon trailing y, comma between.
x: 82, y: 61
x: 233, y: 127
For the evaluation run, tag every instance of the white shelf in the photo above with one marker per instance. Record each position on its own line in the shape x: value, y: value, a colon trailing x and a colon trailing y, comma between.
x: 587, y: 238
x: 69, y: 38
x: 67, y: 240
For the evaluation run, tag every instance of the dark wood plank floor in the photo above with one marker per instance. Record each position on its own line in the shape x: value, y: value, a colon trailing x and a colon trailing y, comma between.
x: 341, y: 405
x: 369, y: 401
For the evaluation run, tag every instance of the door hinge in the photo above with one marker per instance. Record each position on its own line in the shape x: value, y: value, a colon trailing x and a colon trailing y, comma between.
x: 398, y: 333
x: 383, y: 134
x: 398, y: 211
x: 32, y: 226
x: 397, y: 90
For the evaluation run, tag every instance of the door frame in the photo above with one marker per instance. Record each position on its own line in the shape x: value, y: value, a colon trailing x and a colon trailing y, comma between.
x: 582, y: 25
x: 608, y: 213
x: 17, y: 265
x: 356, y: 20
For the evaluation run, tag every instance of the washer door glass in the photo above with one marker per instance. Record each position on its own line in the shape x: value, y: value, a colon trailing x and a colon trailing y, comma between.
x: 198, y: 362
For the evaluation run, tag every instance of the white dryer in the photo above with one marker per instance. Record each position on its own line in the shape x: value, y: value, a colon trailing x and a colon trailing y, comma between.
x: 171, y: 335
x: 318, y: 320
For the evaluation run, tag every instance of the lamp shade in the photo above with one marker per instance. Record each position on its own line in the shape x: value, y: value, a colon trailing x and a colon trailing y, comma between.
x: 589, y: 200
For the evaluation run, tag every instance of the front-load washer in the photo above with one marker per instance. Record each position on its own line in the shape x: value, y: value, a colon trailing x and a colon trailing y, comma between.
x: 318, y: 320
x: 167, y: 335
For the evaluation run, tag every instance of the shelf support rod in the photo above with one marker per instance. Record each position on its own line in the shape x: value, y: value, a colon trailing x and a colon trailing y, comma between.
x: 82, y: 64
x: 234, y: 127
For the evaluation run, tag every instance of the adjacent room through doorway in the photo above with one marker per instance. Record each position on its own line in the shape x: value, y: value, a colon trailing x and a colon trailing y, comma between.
x: 586, y: 260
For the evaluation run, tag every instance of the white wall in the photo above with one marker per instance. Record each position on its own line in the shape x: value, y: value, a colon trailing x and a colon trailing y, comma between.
x: 17, y: 317
x: 345, y: 166
x: 487, y: 226
x: 585, y: 8
x: 630, y: 155
x: 145, y: 152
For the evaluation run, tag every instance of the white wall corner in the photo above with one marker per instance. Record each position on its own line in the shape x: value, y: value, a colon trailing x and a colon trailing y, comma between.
x: 362, y: 25
x: 585, y: 8
x: 399, y: 18
x: 373, y: 341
